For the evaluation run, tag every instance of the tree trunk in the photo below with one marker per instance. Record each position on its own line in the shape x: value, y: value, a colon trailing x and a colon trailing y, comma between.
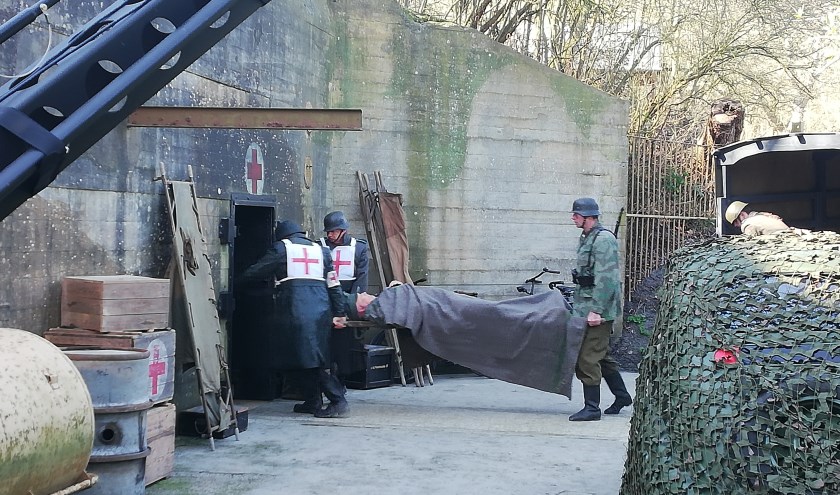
x: 726, y: 121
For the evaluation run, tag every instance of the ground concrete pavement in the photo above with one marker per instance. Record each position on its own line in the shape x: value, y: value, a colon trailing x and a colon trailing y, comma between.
x: 464, y: 435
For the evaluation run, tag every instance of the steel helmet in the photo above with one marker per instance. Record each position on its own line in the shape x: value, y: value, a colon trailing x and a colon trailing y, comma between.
x: 586, y: 207
x: 286, y: 228
x: 733, y: 210
x: 335, y: 221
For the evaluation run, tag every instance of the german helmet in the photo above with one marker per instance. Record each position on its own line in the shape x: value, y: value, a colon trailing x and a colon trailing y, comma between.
x: 286, y: 228
x: 335, y: 221
x: 586, y: 207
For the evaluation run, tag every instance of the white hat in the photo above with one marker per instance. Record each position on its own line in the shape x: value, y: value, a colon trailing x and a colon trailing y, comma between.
x: 735, y: 208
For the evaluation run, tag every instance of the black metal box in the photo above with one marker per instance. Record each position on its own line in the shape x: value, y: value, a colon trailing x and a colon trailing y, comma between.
x: 344, y: 344
x: 370, y: 367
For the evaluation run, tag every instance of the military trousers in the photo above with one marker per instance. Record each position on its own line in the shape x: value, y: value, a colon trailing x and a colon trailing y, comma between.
x: 317, y: 381
x: 594, y: 354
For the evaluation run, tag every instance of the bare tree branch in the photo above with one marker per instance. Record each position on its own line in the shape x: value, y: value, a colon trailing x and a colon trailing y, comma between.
x: 668, y: 56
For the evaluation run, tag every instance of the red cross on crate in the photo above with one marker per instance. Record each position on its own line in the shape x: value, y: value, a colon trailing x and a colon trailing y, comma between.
x: 337, y: 263
x: 157, y: 368
x: 254, y: 171
x: 306, y: 260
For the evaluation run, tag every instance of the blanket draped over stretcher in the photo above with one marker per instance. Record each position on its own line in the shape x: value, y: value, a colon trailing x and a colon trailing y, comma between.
x: 532, y: 341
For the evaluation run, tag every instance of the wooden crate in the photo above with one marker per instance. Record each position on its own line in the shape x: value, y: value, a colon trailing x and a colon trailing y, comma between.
x: 160, y: 437
x: 160, y: 343
x: 115, y: 303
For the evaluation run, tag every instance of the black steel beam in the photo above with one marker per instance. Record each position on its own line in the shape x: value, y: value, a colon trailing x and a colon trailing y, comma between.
x: 78, y: 101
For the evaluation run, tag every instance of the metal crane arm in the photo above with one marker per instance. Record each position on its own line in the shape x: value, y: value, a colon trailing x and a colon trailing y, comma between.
x: 92, y: 81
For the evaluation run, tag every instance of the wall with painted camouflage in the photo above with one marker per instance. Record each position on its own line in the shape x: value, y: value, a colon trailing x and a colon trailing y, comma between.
x: 489, y: 149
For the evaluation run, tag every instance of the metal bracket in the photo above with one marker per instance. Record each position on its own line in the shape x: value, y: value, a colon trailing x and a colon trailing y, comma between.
x: 225, y: 236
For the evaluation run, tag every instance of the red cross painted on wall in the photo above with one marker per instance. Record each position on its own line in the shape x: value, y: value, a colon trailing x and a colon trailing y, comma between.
x: 254, y: 171
x: 337, y: 263
x: 157, y: 368
x: 306, y: 260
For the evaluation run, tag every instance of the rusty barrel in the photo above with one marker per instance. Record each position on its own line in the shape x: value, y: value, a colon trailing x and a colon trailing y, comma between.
x: 118, y: 382
x: 46, y: 417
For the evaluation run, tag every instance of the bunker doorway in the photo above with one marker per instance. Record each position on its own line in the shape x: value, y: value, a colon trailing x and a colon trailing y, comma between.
x: 248, y: 233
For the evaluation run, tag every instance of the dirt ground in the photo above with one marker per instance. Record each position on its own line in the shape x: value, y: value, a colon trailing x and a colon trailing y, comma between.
x: 639, y: 319
x: 641, y: 309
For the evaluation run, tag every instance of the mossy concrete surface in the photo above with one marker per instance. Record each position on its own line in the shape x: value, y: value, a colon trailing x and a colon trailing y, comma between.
x: 488, y: 148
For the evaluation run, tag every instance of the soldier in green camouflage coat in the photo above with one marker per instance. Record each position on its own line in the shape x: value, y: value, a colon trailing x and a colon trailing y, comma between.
x: 598, y: 299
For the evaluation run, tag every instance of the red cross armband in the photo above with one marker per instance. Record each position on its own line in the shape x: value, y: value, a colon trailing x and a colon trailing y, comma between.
x: 332, y: 279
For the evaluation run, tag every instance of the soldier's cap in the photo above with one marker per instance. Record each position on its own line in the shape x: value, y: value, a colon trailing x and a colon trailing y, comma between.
x: 733, y: 210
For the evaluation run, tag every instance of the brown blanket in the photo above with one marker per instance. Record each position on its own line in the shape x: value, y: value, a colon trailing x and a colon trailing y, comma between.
x: 532, y: 341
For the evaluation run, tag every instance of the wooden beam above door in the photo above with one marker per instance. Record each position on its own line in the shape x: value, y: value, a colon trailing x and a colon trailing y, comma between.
x: 309, y: 119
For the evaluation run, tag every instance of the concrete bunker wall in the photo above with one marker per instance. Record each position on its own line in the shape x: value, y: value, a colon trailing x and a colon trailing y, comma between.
x: 488, y: 147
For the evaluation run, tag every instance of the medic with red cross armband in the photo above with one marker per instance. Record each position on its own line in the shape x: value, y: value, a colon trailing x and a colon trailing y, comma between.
x: 349, y: 254
x: 307, y: 296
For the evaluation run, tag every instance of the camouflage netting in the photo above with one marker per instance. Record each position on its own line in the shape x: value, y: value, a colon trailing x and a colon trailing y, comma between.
x: 739, y: 389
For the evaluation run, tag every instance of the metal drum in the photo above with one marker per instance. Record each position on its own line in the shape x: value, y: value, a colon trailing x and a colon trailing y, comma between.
x: 123, y: 474
x: 118, y: 381
x: 46, y: 432
x: 119, y: 433
x: 116, y: 378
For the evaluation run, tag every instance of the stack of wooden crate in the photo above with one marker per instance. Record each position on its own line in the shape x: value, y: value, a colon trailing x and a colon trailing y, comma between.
x: 118, y: 312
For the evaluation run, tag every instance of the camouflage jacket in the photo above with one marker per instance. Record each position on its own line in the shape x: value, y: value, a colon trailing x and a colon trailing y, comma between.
x: 597, y: 256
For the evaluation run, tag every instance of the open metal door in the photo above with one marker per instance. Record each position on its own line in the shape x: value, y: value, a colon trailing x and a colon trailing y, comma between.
x: 795, y: 176
x: 197, y: 312
x: 248, y: 233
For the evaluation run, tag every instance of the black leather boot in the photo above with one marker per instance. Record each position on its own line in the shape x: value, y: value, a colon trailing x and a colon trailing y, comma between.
x: 619, y: 390
x: 337, y: 409
x: 334, y: 390
x: 313, y: 402
x: 591, y: 401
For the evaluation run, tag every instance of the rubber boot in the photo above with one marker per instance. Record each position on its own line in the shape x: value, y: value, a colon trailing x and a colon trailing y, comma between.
x: 311, y: 392
x: 619, y: 390
x: 334, y: 390
x: 591, y: 401
x: 337, y: 409
x: 308, y: 407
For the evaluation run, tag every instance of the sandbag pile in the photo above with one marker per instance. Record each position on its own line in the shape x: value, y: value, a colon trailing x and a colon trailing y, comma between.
x: 739, y: 389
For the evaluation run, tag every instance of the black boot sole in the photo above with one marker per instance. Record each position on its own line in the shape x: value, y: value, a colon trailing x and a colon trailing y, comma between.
x: 617, y: 406
x: 341, y: 410
x: 575, y: 417
x: 305, y: 408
